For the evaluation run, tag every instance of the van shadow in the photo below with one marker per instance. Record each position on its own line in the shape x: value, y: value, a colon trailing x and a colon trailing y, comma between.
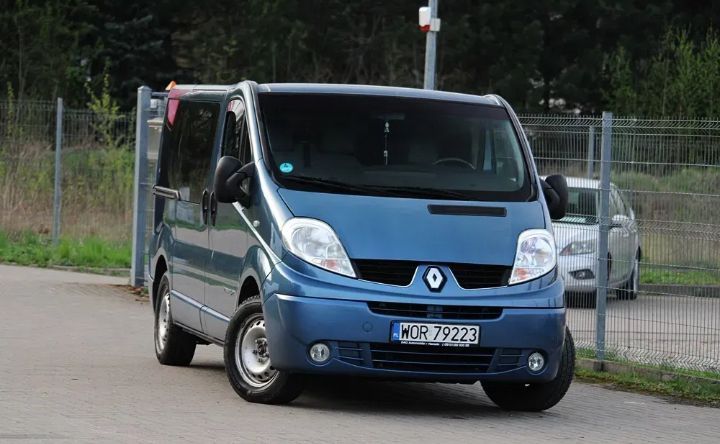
x: 380, y: 397
x: 452, y: 401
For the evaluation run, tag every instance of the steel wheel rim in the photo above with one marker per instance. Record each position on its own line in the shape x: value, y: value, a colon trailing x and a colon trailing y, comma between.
x: 252, y: 356
x: 163, y: 323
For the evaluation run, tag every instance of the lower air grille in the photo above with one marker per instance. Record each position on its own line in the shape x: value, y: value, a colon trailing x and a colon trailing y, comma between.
x: 431, y: 358
x: 509, y: 359
x: 401, y: 310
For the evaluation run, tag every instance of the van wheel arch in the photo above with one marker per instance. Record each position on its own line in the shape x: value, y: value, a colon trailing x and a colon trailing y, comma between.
x: 160, y: 269
x: 248, y: 289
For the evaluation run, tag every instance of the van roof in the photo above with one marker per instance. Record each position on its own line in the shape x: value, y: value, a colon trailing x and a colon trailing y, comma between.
x: 329, y: 88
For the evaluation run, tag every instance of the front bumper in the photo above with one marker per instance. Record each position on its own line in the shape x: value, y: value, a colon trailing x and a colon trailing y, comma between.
x: 567, y: 265
x: 359, y: 340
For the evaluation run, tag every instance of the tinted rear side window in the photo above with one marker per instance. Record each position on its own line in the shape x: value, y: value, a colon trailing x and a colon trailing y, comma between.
x: 187, y: 149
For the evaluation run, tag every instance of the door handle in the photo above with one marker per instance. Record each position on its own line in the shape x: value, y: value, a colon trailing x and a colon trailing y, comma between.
x: 213, y: 208
x: 204, y: 206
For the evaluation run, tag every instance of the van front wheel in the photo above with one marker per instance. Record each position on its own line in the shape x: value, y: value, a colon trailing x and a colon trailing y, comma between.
x: 535, y: 397
x: 247, y: 359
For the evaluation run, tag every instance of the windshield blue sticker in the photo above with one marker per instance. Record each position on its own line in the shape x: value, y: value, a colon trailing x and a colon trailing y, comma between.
x: 286, y: 167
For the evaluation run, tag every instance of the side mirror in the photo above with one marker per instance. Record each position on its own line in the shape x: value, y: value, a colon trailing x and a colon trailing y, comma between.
x: 556, y: 195
x: 619, y: 221
x: 228, y: 182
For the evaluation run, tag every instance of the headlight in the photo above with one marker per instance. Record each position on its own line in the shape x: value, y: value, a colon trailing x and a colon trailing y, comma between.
x: 316, y: 243
x: 535, y: 256
x: 579, y: 247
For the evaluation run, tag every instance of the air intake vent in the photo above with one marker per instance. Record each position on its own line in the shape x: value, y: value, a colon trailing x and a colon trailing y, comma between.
x: 399, y: 310
x: 386, y: 272
x: 468, y: 276
x: 471, y: 276
x: 431, y: 358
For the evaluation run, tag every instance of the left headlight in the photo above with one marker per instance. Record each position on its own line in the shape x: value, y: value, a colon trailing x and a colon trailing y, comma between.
x: 535, y: 256
x: 316, y: 243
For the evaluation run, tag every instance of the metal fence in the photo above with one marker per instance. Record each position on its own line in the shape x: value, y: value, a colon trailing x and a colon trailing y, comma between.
x: 659, y: 180
x: 91, y: 154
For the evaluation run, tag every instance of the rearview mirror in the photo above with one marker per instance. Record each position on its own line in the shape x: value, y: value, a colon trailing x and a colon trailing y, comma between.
x: 228, y: 182
x: 619, y: 221
x: 556, y: 195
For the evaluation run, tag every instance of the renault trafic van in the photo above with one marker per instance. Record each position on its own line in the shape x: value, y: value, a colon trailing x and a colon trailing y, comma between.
x: 357, y: 230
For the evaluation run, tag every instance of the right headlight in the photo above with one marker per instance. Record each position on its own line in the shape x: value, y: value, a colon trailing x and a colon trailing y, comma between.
x: 316, y: 243
x: 535, y: 256
x: 579, y: 247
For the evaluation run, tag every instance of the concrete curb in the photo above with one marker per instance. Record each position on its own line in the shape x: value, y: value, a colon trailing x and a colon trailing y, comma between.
x: 701, y: 291
x: 93, y: 270
x: 618, y: 368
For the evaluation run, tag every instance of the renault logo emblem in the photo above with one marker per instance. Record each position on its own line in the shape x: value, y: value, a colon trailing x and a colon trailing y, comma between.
x: 434, y: 278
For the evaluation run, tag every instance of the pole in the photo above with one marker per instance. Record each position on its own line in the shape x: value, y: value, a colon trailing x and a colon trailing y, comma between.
x: 602, y: 276
x: 591, y: 151
x: 57, y: 195
x: 137, y: 271
x: 430, y: 46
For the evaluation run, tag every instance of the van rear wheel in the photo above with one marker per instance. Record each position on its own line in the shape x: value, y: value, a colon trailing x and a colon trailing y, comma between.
x: 173, y: 346
x: 248, y: 359
x: 535, y: 397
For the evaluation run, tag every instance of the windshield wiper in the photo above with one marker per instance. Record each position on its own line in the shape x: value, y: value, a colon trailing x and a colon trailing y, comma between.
x: 364, y: 189
x: 428, y: 193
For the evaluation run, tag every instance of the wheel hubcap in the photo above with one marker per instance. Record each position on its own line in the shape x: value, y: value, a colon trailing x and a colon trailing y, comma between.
x: 252, y: 356
x: 163, y: 324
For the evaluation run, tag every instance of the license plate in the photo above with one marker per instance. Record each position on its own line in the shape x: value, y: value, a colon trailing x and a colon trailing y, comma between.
x: 423, y: 333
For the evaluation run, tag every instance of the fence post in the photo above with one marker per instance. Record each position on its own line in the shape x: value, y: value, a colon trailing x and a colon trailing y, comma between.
x: 602, y: 275
x: 57, y: 194
x: 137, y: 270
x: 591, y: 151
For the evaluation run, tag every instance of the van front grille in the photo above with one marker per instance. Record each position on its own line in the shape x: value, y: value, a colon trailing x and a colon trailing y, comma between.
x: 431, y: 358
x: 386, y: 272
x: 472, y: 276
x: 400, y: 310
x: 468, y: 276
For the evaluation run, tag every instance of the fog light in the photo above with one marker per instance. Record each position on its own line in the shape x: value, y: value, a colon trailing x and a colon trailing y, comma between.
x: 319, y: 353
x: 583, y: 274
x: 536, y: 362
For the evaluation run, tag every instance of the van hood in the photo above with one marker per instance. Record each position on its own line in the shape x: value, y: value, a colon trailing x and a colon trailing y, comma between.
x: 390, y: 228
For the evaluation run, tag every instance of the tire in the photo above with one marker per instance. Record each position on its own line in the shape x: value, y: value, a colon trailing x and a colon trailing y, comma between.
x: 247, y: 359
x: 631, y: 288
x: 173, y: 346
x: 535, y: 397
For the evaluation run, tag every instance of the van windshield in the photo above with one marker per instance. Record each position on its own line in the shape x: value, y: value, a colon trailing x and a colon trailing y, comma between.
x: 390, y: 146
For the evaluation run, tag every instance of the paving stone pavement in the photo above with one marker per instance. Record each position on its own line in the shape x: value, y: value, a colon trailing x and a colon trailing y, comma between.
x: 77, y: 364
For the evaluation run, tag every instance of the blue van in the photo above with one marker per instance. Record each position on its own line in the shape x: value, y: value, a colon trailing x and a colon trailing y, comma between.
x: 357, y: 230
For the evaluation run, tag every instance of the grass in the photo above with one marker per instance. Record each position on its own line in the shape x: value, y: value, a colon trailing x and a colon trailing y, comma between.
x: 694, y: 391
x: 28, y: 248
x: 688, y: 389
x: 680, y: 277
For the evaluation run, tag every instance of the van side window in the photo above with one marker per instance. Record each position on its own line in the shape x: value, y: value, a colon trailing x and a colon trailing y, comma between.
x: 196, y: 122
x: 236, y: 141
